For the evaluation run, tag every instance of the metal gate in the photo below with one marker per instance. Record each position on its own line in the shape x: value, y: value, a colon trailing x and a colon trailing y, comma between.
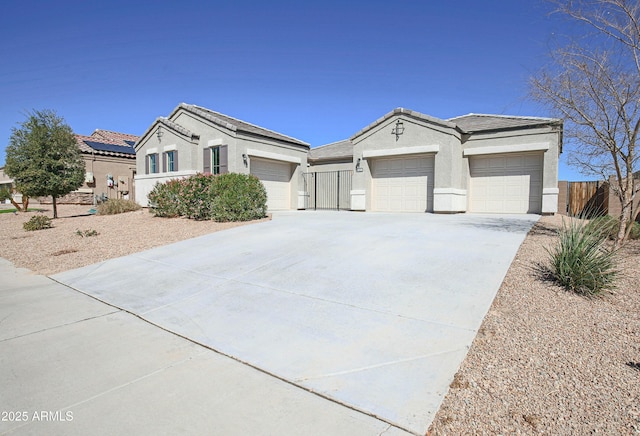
x: 328, y: 190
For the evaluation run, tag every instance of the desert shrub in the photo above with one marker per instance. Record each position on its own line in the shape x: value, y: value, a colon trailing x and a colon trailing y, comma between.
x: 196, y: 196
x: 225, y: 197
x: 238, y: 197
x: 115, y: 206
x: 38, y: 222
x: 165, y: 198
x: 581, y: 262
x: 610, y: 225
x: 87, y: 233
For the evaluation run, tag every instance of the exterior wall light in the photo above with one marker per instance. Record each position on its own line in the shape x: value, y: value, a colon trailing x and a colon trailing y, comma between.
x: 398, y: 129
x: 245, y: 160
x: 358, y: 166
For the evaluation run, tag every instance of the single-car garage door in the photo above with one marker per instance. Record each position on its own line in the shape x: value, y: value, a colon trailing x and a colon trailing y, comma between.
x: 403, y: 184
x: 276, y: 178
x: 506, y: 183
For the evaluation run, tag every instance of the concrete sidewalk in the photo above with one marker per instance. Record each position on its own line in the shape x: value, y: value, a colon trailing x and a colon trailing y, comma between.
x: 75, y: 366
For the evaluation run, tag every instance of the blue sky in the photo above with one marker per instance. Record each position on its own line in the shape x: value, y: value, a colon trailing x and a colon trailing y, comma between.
x: 315, y: 70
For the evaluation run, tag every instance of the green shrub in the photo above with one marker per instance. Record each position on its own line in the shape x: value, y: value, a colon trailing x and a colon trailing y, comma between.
x: 238, y: 197
x: 164, y: 199
x: 610, y: 225
x: 580, y: 262
x: 196, y: 196
x: 38, y: 222
x: 225, y: 197
x: 115, y: 206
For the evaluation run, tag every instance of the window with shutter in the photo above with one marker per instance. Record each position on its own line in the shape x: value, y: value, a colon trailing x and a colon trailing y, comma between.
x: 215, y: 160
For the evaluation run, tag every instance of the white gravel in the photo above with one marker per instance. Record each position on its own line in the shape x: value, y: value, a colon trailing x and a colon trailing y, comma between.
x: 545, y: 361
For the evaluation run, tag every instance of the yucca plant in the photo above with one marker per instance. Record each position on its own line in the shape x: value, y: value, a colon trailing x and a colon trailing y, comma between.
x: 581, y: 262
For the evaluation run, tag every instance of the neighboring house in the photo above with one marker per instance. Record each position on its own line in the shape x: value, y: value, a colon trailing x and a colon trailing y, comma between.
x: 110, y: 162
x: 5, y: 181
x: 193, y: 139
x: 410, y: 162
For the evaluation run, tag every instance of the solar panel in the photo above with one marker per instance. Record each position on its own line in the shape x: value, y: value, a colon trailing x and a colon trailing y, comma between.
x: 101, y: 146
x: 131, y: 143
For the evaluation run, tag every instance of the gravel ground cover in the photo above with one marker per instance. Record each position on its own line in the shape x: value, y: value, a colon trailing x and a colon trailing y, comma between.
x: 60, y: 248
x: 545, y: 361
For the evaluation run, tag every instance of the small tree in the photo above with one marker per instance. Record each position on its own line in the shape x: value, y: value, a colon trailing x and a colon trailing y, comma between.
x: 43, y: 157
x: 594, y: 84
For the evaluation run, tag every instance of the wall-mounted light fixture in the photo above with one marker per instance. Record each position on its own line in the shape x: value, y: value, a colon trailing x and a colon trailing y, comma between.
x: 358, y: 166
x: 245, y: 160
x: 159, y: 133
x: 398, y: 129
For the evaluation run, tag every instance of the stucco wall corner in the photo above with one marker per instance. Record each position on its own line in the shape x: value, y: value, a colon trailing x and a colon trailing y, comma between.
x: 550, y: 200
x: 449, y: 200
x: 358, y: 199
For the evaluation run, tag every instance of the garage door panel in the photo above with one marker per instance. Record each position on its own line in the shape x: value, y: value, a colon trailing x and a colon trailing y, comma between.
x: 402, y: 184
x: 276, y: 178
x: 510, y: 183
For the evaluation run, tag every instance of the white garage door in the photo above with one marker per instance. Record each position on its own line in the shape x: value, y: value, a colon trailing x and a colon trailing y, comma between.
x: 506, y: 183
x: 276, y: 178
x: 403, y: 184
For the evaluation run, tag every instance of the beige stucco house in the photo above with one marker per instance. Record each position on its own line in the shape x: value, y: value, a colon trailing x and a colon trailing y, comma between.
x: 410, y: 162
x: 194, y: 139
x: 110, y: 164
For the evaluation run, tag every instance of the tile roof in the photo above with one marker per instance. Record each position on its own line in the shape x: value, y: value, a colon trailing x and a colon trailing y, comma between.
x: 409, y: 113
x: 334, y: 151
x: 484, y: 122
x: 177, y: 127
x: 238, y: 125
x: 107, y: 143
x: 115, y: 136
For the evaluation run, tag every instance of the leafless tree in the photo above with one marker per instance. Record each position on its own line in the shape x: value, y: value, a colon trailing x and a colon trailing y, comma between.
x: 594, y: 84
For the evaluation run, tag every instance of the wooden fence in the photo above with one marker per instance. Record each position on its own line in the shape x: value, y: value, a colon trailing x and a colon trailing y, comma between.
x: 585, y: 198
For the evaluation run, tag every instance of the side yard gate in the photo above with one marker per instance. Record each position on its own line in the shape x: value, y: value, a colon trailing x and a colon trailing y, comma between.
x: 329, y: 190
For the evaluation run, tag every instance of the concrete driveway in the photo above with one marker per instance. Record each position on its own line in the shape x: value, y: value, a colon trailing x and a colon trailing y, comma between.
x: 372, y: 311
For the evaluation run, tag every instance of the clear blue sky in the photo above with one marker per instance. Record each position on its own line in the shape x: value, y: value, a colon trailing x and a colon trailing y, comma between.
x: 315, y: 70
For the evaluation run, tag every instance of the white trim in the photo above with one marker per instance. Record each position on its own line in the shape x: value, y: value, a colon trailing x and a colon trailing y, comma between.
x: 168, y: 175
x: 401, y: 151
x: 153, y: 150
x: 273, y: 156
x: 499, y: 149
x: 550, y: 191
x: 214, y: 142
x: 452, y: 191
x: 171, y: 147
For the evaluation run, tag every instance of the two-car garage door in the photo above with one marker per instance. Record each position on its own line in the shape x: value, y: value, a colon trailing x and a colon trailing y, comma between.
x: 403, y: 184
x: 276, y: 178
x: 506, y: 183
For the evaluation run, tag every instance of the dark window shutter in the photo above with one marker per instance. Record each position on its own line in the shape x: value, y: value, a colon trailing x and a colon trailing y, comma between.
x: 146, y: 164
x: 224, y: 167
x: 206, y: 161
x: 175, y: 160
x: 164, y: 162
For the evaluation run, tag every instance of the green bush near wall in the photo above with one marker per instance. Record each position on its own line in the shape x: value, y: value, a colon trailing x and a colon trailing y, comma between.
x: 225, y: 197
